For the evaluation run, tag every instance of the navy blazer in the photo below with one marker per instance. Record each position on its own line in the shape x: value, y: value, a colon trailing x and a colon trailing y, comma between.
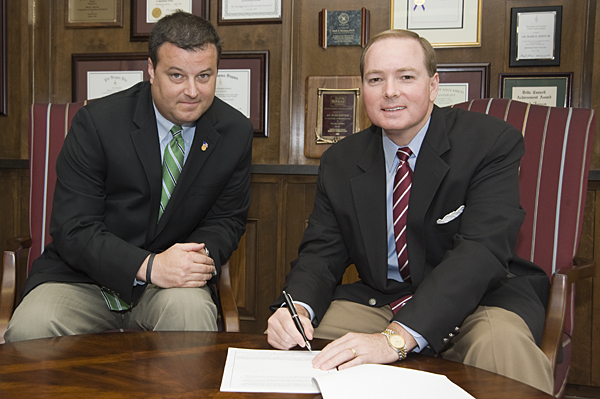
x: 466, y: 159
x: 104, y: 220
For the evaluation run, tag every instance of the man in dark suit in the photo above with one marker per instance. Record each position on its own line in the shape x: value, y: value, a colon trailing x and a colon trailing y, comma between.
x: 465, y: 295
x: 131, y: 248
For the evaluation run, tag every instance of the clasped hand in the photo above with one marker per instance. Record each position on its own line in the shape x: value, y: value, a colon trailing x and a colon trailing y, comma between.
x: 183, y: 265
x: 350, y: 350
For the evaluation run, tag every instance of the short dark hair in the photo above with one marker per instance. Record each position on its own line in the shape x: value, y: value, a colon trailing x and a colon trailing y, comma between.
x: 430, y: 58
x: 184, y: 30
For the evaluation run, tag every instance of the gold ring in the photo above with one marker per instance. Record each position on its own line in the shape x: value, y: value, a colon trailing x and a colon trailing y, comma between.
x: 355, y: 354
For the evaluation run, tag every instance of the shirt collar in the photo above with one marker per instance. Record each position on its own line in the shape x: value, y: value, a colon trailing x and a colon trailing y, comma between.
x: 164, y: 127
x: 390, y: 148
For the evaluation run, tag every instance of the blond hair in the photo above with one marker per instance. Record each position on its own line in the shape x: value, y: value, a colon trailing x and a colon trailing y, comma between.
x: 430, y: 57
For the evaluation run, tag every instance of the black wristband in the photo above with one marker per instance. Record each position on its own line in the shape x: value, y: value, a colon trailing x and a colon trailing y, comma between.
x: 149, y: 269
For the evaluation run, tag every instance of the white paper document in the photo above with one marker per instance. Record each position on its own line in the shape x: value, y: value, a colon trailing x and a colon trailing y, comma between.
x: 254, y: 370
x: 379, y: 381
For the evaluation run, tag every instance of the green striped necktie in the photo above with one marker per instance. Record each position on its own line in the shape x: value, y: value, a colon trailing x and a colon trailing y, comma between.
x: 113, y: 301
x: 172, y: 165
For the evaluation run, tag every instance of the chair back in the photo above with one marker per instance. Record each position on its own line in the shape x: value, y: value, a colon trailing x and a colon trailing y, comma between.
x: 553, y: 176
x: 553, y: 184
x: 48, y: 126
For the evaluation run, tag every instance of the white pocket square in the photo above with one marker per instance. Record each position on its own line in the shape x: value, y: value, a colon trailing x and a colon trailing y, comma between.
x: 451, y: 216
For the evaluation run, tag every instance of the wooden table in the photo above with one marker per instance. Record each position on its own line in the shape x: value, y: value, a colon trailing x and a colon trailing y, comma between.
x: 176, y: 364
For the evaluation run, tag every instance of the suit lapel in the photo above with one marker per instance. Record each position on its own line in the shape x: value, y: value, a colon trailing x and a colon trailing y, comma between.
x: 429, y: 172
x: 372, y: 213
x: 205, y: 141
x: 145, y: 141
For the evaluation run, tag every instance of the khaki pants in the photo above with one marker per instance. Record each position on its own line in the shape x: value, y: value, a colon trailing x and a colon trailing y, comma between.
x: 56, y: 309
x: 491, y: 338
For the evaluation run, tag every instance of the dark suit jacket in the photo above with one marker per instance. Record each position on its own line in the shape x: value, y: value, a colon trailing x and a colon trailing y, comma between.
x: 109, y: 174
x: 466, y: 159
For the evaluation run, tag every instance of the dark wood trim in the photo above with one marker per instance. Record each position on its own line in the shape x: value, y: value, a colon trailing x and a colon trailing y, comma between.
x: 14, y: 163
x: 284, y: 169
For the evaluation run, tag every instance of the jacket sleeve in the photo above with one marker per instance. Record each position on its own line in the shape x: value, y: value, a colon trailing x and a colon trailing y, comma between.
x: 472, y: 254
x: 77, y: 226
x: 322, y: 255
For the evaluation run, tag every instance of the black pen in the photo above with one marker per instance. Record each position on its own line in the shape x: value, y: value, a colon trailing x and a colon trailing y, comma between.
x: 294, y: 314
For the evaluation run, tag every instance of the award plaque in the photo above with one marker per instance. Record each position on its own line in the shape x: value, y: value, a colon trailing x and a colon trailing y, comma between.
x: 535, y: 36
x: 93, y: 13
x: 337, y: 114
x: 343, y: 28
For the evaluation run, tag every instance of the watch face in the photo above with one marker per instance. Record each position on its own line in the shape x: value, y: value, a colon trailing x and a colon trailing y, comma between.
x: 397, y: 341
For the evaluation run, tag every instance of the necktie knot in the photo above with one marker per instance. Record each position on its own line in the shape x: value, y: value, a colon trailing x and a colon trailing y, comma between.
x: 174, y: 156
x: 404, y: 153
x: 176, y: 130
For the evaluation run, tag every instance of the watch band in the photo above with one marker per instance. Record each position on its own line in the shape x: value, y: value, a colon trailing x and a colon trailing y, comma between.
x: 401, y: 351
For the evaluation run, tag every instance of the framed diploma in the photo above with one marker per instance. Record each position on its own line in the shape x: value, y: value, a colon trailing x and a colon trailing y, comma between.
x: 3, y: 57
x: 98, y: 75
x: 551, y: 89
x: 462, y: 82
x: 242, y: 82
x: 445, y: 23
x: 93, y: 13
x: 232, y: 12
x: 145, y: 13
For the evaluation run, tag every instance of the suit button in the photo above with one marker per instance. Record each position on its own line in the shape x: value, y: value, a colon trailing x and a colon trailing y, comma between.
x: 372, y: 301
x: 457, y: 329
x: 445, y: 340
x: 451, y: 335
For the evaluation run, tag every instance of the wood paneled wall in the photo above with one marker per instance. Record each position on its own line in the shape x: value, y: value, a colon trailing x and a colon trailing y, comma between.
x: 39, y: 49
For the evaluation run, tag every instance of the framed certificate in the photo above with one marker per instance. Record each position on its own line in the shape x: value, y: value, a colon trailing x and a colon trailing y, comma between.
x: 445, y: 23
x: 145, y: 13
x: 551, y: 89
x: 535, y: 36
x: 93, y: 14
x: 462, y: 82
x: 97, y: 75
x: 242, y: 82
x: 233, y: 12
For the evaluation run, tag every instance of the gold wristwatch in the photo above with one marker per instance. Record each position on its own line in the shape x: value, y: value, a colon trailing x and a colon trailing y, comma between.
x: 397, y: 342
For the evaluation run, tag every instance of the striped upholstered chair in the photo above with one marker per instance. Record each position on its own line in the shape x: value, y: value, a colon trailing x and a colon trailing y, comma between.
x: 553, y: 183
x: 48, y: 126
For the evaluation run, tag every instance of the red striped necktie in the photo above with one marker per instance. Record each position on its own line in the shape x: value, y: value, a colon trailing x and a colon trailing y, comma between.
x: 402, y: 184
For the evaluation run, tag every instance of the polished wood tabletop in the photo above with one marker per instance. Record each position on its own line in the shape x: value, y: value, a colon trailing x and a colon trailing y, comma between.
x: 177, y: 365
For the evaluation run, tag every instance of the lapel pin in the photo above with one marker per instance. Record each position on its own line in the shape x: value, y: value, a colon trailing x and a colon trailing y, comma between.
x: 204, y: 146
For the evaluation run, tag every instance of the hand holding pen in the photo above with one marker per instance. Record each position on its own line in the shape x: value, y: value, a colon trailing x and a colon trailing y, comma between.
x: 292, y: 309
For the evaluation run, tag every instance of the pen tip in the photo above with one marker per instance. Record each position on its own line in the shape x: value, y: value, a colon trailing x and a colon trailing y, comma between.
x: 308, y: 346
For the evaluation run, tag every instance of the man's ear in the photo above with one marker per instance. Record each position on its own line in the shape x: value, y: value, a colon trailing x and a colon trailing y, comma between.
x: 151, y: 70
x: 435, y: 84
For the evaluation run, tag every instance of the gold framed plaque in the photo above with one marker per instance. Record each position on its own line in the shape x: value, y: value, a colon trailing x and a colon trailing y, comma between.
x: 337, y: 114
x: 93, y: 13
x: 334, y: 110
